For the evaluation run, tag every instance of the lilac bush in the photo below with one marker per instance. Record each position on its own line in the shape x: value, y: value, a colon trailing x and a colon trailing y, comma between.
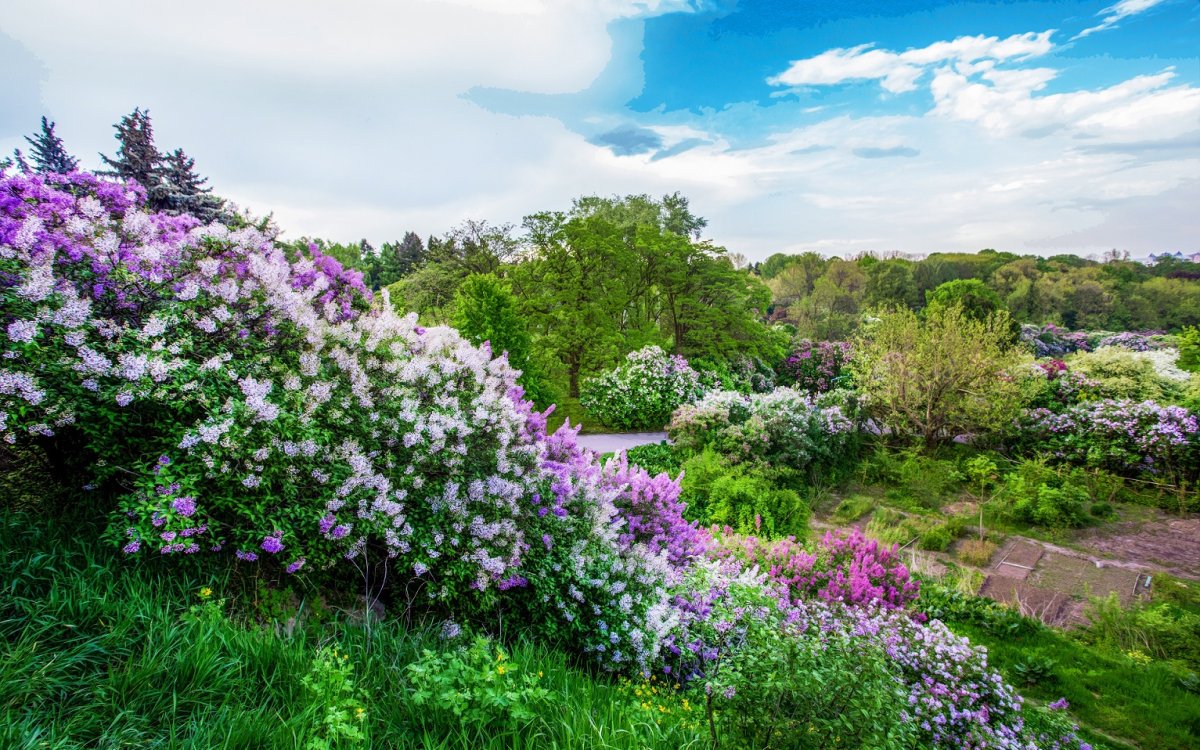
x: 936, y: 690
x: 1052, y: 341
x: 817, y: 366
x: 643, y: 391
x: 1119, y: 435
x: 589, y: 577
x: 1137, y: 341
x: 848, y: 569
x: 784, y: 427
x: 239, y: 401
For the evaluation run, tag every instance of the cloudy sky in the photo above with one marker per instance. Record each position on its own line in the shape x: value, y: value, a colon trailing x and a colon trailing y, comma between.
x: 1039, y: 126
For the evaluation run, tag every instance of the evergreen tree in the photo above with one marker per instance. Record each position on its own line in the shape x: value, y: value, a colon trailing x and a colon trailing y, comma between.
x: 48, y: 152
x: 395, y: 260
x: 185, y: 192
x: 19, y: 159
x: 137, y: 157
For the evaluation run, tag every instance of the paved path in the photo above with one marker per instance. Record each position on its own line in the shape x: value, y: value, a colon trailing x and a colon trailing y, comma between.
x: 617, y: 441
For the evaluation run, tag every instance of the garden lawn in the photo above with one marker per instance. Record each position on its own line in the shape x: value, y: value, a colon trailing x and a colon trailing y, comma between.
x: 1114, y: 696
x: 97, y: 651
x: 571, y: 408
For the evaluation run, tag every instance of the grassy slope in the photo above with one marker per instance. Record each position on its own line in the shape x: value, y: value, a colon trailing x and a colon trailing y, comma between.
x: 100, y: 652
x: 1141, y: 705
x: 571, y: 408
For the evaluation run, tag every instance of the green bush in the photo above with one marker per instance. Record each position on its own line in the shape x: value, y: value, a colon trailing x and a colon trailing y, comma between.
x: 751, y: 504
x: 936, y: 539
x: 642, y: 392
x: 656, y: 458
x: 853, y: 508
x: 777, y: 691
x: 478, y: 685
x: 1113, y: 372
x: 749, y: 498
x: 914, y: 479
x: 1038, y: 494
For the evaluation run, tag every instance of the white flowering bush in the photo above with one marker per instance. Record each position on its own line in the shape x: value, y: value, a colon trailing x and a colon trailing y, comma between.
x: 232, y: 399
x: 783, y: 427
x: 643, y: 391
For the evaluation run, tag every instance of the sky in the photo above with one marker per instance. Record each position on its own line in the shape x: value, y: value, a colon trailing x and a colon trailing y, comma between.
x: 791, y: 125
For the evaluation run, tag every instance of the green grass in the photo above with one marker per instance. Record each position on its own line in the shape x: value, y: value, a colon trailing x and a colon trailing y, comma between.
x: 101, y: 652
x: 570, y: 407
x: 1113, y: 696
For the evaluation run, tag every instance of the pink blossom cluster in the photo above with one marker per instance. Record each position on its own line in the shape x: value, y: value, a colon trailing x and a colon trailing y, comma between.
x: 848, y: 569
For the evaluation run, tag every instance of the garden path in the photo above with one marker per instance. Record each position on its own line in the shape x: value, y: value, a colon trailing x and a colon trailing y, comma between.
x: 619, y: 441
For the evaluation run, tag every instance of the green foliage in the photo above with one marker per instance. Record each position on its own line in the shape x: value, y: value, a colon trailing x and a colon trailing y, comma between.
x: 479, y: 685
x: 936, y: 538
x: 747, y: 497
x: 1160, y: 629
x: 977, y: 301
x: 853, y: 508
x: 485, y: 310
x: 749, y: 503
x: 340, y: 714
x: 791, y: 693
x: 891, y: 526
x: 656, y: 458
x: 1189, y: 349
x: 1112, y: 372
x: 1035, y: 670
x: 944, y: 376
x: 699, y: 473
x: 914, y: 479
x: 1035, y: 493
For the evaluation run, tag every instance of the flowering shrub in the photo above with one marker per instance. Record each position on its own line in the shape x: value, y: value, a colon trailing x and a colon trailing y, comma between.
x: 1113, y: 372
x: 643, y: 391
x: 1121, y: 436
x: 849, y: 569
x: 783, y: 427
x: 1052, y: 341
x: 653, y: 512
x: 925, y: 686
x: 744, y: 375
x: 1137, y: 341
x: 588, y: 577
x: 239, y: 401
x: 816, y: 366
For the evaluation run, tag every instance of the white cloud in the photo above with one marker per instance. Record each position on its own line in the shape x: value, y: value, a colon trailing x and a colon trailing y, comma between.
x: 898, y: 71
x: 348, y: 121
x: 1140, y: 108
x: 1114, y: 14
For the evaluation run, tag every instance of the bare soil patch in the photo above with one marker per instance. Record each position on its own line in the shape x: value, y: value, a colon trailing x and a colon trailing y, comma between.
x: 1169, y: 544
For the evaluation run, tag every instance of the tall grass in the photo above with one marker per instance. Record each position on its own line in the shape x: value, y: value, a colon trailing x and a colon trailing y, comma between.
x: 101, y: 652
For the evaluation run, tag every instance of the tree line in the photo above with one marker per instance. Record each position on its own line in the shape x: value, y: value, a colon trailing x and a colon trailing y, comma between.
x: 568, y: 293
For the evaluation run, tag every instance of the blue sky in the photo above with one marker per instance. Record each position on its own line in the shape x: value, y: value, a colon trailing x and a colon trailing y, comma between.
x: 835, y: 126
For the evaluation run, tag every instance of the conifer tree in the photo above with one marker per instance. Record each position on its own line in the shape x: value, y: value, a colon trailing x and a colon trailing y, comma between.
x: 184, y: 191
x: 137, y: 157
x: 48, y: 152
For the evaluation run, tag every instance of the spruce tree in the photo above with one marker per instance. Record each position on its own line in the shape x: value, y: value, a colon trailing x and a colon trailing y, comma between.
x: 395, y: 260
x: 184, y: 191
x: 48, y: 152
x: 137, y: 157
